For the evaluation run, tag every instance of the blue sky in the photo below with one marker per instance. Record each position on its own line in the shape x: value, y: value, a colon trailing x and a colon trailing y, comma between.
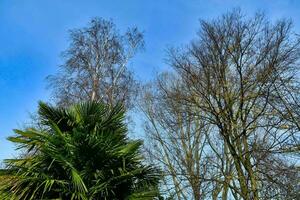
x: 33, y: 33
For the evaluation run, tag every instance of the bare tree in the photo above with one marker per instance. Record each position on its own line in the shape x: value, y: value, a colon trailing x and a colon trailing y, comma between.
x: 233, y: 72
x: 176, y: 139
x: 195, y: 162
x: 95, y: 65
x: 239, y: 78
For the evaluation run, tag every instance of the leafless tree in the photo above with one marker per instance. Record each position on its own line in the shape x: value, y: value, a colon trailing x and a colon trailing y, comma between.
x: 239, y: 78
x: 176, y: 139
x: 95, y: 65
x: 196, y: 164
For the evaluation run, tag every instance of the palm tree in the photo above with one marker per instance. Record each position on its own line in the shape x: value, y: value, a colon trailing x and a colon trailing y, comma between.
x: 82, y: 152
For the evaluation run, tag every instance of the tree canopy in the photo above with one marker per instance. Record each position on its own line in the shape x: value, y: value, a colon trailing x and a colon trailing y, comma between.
x: 95, y: 65
x: 224, y: 123
x: 82, y: 153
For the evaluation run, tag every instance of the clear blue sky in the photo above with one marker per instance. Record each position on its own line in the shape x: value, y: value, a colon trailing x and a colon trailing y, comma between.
x: 33, y: 33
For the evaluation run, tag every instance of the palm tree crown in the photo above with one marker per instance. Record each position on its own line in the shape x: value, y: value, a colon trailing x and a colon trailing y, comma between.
x: 82, y: 152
